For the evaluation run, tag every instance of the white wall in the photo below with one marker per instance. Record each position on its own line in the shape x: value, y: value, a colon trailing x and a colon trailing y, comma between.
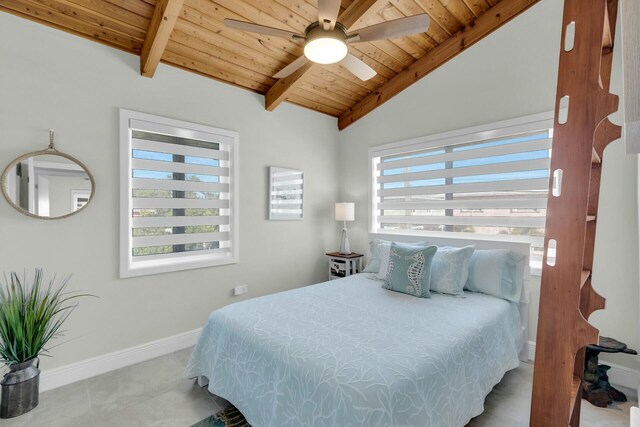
x: 509, y: 74
x: 50, y: 79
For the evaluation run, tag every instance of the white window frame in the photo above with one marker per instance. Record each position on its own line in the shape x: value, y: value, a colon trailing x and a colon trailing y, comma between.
x: 504, y: 128
x: 129, y: 268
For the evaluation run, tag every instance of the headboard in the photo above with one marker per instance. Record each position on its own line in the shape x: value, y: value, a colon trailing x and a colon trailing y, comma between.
x: 481, y: 243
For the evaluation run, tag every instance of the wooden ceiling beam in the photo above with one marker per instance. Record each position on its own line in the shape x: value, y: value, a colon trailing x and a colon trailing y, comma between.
x: 162, y: 22
x: 358, y: 10
x: 281, y: 89
x: 487, y: 23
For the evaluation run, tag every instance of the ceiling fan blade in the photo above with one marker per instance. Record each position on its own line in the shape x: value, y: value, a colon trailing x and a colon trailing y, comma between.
x: 328, y: 11
x: 261, y: 29
x: 357, y: 67
x: 392, y: 29
x: 291, y: 68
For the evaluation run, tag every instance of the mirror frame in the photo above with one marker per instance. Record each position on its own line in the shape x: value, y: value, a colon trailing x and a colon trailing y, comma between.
x: 51, y: 151
x: 278, y: 217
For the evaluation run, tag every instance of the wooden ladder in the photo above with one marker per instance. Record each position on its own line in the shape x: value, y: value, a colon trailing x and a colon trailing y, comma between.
x: 581, y: 132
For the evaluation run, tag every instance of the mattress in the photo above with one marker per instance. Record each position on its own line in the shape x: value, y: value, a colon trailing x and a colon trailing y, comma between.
x: 349, y: 353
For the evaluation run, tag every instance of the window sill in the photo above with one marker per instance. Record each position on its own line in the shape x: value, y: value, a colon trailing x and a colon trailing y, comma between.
x: 145, y: 269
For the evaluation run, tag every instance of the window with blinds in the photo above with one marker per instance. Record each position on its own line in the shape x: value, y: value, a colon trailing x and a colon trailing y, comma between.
x: 491, y: 182
x: 179, y: 188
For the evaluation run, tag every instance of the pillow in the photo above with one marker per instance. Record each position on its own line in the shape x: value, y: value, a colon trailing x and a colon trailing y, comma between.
x: 409, y: 269
x: 375, y: 255
x: 449, y: 269
x: 382, y: 250
x: 385, y: 249
x: 497, y: 272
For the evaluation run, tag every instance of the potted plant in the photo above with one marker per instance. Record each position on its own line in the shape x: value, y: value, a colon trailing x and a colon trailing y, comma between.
x: 30, y: 316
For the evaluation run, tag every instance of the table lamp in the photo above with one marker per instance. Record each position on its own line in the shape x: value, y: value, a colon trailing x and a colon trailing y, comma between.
x: 345, y: 212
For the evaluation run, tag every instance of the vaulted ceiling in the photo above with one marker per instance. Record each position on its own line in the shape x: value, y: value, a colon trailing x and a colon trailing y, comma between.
x: 190, y: 34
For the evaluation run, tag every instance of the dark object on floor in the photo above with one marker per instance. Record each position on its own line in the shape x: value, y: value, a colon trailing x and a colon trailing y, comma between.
x: 595, y: 384
x: 20, y: 388
x: 229, y: 417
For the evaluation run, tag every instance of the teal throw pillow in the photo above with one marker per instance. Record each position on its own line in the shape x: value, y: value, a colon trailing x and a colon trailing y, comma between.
x: 409, y: 269
x: 382, y: 250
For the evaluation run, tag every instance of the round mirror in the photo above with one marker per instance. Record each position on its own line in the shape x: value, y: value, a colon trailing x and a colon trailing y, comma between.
x: 47, y: 184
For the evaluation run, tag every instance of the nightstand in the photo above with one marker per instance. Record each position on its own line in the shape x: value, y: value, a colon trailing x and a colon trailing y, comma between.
x: 342, y: 265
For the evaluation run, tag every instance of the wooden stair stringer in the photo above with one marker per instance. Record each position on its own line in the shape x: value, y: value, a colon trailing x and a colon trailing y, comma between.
x: 607, y: 104
x: 585, y: 335
x: 590, y: 300
x: 605, y: 133
x: 608, y: 42
x: 567, y: 297
x: 576, y: 394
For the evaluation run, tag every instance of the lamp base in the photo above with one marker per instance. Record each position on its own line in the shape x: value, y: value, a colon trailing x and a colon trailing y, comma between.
x: 345, y: 248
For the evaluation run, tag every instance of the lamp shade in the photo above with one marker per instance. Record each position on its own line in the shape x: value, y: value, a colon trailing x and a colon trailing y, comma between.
x: 345, y: 211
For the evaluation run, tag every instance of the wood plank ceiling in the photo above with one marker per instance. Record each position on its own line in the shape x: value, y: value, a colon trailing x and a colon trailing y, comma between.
x: 190, y: 34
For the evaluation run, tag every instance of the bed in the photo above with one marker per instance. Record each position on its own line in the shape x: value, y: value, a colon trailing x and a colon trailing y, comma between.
x: 349, y: 353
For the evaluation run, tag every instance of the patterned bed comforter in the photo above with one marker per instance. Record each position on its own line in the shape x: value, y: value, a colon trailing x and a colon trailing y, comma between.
x: 349, y: 353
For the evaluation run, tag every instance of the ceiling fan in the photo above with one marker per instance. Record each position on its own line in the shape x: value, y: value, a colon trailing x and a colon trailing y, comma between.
x: 326, y: 40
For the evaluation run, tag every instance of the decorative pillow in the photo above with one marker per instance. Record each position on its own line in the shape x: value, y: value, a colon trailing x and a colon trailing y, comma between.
x: 379, y: 257
x: 409, y: 269
x: 449, y: 269
x: 384, y: 248
x: 497, y: 272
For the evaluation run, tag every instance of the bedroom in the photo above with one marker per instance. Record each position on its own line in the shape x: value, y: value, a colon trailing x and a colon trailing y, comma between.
x: 51, y: 79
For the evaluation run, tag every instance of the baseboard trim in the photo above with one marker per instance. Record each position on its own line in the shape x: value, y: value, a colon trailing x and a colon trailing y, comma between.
x: 82, y: 370
x: 618, y: 375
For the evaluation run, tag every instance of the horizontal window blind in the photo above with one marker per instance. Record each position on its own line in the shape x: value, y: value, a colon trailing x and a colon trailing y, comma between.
x: 180, y: 201
x: 488, y: 186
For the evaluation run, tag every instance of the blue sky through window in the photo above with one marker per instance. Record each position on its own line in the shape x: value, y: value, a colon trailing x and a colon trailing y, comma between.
x: 413, y: 156
x: 502, y: 142
x: 141, y: 173
x: 524, y: 156
x: 167, y: 157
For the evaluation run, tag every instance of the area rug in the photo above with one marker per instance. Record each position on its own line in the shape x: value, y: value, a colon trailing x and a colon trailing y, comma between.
x: 229, y: 417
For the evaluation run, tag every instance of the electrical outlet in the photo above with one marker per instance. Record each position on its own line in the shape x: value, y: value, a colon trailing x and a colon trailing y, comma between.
x: 239, y: 290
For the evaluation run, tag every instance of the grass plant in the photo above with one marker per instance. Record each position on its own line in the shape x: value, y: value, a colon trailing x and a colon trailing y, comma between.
x: 32, y: 314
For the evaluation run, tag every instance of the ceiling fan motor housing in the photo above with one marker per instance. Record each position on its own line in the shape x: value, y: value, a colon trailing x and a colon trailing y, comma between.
x: 315, y: 30
x: 325, y: 46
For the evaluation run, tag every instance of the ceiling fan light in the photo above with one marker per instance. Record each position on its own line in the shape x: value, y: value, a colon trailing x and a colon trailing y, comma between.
x: 325, y: 50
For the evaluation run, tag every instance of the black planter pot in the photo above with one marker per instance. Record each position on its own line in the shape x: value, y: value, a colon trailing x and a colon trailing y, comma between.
x: 20, y: 389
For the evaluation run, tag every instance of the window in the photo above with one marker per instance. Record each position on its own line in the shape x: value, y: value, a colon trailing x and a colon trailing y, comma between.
x: 490, y: 180
x: 179, y: 186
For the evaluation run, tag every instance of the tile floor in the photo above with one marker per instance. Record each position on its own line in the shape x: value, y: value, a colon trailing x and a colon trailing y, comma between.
x: 153, y: 393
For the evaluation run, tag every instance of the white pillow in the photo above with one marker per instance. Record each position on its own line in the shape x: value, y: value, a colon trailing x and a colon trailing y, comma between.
x: 497, y: 272
x: 450, y: 268
x: 374, y: 256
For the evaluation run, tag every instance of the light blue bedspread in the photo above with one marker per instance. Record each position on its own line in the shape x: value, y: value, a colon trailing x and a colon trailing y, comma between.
x: 349, y: 353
